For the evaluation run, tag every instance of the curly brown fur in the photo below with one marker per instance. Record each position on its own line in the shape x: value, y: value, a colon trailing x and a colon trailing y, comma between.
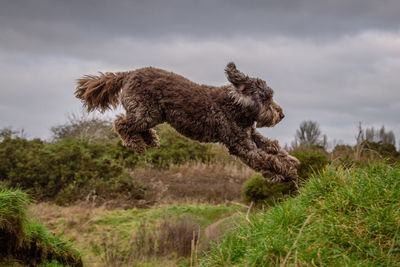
x: 225, y: 114
x: 100, y: 91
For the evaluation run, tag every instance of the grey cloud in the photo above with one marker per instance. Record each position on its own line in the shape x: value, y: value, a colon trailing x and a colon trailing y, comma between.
x: 336, y: 83
x: 65, y: 22
x: 336, y: 62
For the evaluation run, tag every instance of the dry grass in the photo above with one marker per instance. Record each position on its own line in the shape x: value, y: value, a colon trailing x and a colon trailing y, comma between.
x: 169, y: 240
x: 193, y: 183
x: 107, y: 235
x: 157, y: 236
x: 74, y: 222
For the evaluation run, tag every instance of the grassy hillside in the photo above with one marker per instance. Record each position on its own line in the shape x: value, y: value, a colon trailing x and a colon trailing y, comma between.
x: 26, y: 242
x: 340, y: 218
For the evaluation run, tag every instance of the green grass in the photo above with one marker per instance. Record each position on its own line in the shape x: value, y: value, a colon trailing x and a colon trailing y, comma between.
x: 24, y: 240
x: 349, y: 218
x: 204, y: 214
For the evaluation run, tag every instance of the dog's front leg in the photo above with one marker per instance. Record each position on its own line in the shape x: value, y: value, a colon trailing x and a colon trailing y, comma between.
x: 267, y: 145
x: 272, y: 166
x: 272, y: 147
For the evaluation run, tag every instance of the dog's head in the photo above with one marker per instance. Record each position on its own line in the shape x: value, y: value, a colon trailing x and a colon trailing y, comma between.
x: 255, y: 94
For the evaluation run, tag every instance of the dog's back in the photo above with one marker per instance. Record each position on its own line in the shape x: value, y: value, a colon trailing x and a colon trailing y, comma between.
x: 191, y: 108
x: 161, y: 84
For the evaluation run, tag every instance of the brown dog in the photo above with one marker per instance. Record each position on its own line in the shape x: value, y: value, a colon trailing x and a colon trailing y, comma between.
x: 225, y: 114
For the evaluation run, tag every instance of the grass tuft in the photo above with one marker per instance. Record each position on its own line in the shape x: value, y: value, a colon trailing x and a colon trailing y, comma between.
x: 25, y: 241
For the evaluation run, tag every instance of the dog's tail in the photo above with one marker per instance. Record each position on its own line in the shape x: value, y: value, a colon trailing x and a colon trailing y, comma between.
x: 100, y: 92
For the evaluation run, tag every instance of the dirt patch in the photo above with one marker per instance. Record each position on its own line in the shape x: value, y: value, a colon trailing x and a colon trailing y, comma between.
x: 213, y: 232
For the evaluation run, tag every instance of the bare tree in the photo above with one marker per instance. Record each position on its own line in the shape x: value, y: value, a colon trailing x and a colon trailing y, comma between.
x: 372, y: 135
x: 83, y: 127
x: 387, y: 137
x: 309, y: 134
x: 360, y: 134
x: 8, y: 132
x: 380, y: 136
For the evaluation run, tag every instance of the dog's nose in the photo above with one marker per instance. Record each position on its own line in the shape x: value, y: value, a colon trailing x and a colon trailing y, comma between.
x: 282, y: 116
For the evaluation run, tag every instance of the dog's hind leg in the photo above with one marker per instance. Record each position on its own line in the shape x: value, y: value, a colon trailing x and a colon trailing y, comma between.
x: 150, y: 138
x: 130, y: 139
x: 135, y: 128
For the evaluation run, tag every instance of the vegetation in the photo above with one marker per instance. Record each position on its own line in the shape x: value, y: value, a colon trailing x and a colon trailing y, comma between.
x: 260, y: 191
x: 26, y: 241
x: 342, y: 213
x: 66, y: 171
x: 134, y: 236
x: 312, y: 160
x: 341, y: 217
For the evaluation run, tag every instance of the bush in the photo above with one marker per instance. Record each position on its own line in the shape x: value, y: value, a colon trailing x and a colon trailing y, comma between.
x: 25, y: 241
x: 177, y: 149
x: 311, y: 161
x: 76, y: 167
x: 259, y: 190
x: 365, y: 154
x: 386, y: 151
x: 174, y: 149
x: 65, y: 171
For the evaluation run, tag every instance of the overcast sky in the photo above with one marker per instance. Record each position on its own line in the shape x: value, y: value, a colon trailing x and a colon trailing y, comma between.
x: 334, y: 62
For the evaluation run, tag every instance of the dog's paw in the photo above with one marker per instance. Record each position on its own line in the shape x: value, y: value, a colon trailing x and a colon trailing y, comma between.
x: 154, y: 141
x: 136, y: 143
x: 281, y: 179
x: 283, y: 176
x: 139, y: 148
x: 276, y: 179
x: 273, y: 177
x: 150, y: 138
x: 293, y: 160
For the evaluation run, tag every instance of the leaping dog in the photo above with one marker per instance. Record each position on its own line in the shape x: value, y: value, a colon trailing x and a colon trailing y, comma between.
x: 228, y: 114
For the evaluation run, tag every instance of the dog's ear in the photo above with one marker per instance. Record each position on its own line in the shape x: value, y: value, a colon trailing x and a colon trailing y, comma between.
x: 237, y: 78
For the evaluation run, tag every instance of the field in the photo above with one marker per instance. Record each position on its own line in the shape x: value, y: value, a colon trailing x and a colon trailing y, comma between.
x: 127, y: 237
x: 346, y: 217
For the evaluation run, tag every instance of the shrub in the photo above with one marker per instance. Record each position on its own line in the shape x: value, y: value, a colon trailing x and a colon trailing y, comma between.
x: 65, y: 171
x: 365, y: 154
x: 311, y: 161
x: 177, y: 149
x: 260, y: 190
x: 74, y: 167
x: 386, y: 151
